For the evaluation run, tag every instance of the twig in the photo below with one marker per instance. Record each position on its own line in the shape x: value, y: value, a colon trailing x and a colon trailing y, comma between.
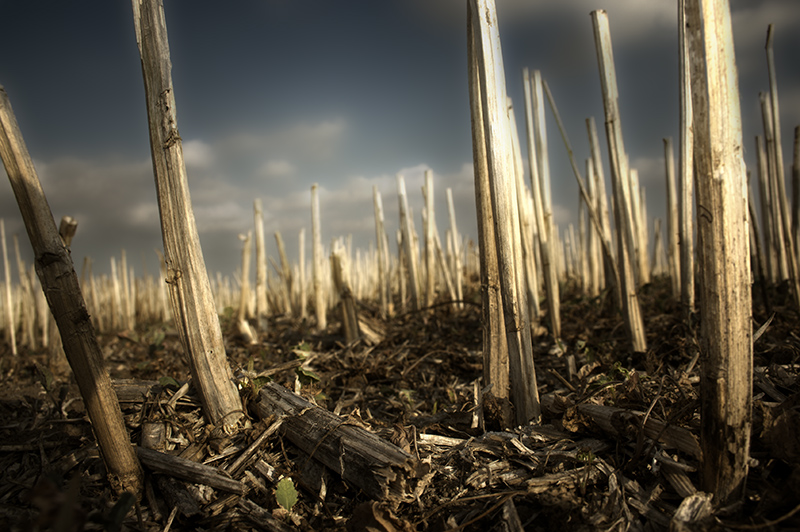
x: 484, y: 514
x: 248, y: 453
x: 508, y: 494
x: 765, y: 524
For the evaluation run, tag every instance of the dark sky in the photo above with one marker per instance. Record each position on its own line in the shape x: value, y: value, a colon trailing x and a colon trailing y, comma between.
x: 273, y: 96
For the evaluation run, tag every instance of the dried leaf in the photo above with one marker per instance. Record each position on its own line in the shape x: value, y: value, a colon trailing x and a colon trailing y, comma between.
x: 370, y: 516
x: 761, y: 330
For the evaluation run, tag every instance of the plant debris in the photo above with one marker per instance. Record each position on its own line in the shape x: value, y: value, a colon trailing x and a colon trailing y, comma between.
x: 389, y: 435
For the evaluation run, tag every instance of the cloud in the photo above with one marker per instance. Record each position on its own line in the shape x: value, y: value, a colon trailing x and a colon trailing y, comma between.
x: 223, y: 216
x: 144, y: 215
x: 116, y: 207
x: 242, y: 163
x: 297, y: 141
x: 630, y: 20
x: 103, y: 190
x: 277, y: 168
x: 198, y: 154
x: 346, y: 206
x: 563, y: 216
x: 651, y: 171
x: 113, y: 201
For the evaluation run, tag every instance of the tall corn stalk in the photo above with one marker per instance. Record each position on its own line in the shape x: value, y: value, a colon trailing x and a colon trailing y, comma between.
x: 320, y: 306
x: 495, y: 345
x: 190, y: 290
x: 537, y: 147
x: 8, y: 299
x: 489, y: 86
x: 779, y: 176
x: 262, y: 305
x: 60, y: 286
x: 620, y: 181
x: 585, y: 195
x: 409, y: 247
x: 384, y: 284
x: 686, y: 164
x: 610, y: 264
x: 725, y: 302
x: 457, y: 251
x: 673, y: 236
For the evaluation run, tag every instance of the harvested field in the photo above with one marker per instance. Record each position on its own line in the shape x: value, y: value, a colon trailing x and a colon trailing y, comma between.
x: 617, y: 449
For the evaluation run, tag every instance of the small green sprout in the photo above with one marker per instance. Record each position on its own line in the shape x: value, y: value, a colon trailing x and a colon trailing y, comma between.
x: 286, y: 494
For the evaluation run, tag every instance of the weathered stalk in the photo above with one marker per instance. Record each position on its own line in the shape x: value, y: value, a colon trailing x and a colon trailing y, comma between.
x: 759, y: 250
x: 380, y: 238
x: 767, y: 218
x: 725, y: 304
x: 620, y: 180
x: 28, y: 308
x: 408, y: 243
x: 673, y: 235
x: 301, y: 273
x: 796, y: 190
x: 11, y: 325
x: 190, y: 290
x: 686, y: 163
x: 547, y: 233
x: 320, y: 307
x: 244, y: 296
x: 593, y: 236
x: 775, y: 188
x: 610, y: 264
x: 286, y: 276
x: 495, y: 345
x: 262, y: 304
x: 525, y: 219
x: 430, y: 246
x: 500, y: 165
x: 606, y: 244
x: 639, y: 227
x: 341, y: 274
x: 60, y: 285
x: 780, y: 179
x: 659, y: 261
x: 457, y: 274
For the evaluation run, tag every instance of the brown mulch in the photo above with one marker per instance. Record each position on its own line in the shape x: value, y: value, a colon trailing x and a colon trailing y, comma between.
x: 617, y: 448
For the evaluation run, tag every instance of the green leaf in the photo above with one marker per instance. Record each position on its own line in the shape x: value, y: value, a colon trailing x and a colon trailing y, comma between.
x: 285, y: 493
x: 168, y: 382
x: 451, y: 395
x: 622, y: 370
x: 307, y: 376
x: 320, y: 397
x: 407, y: 395
x: 158, y: 337
x: 228, y: 312
x: 258, y: 382
x: 45, y: 377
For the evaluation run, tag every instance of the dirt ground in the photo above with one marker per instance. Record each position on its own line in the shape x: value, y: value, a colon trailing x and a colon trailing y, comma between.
x: 617, y: 448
